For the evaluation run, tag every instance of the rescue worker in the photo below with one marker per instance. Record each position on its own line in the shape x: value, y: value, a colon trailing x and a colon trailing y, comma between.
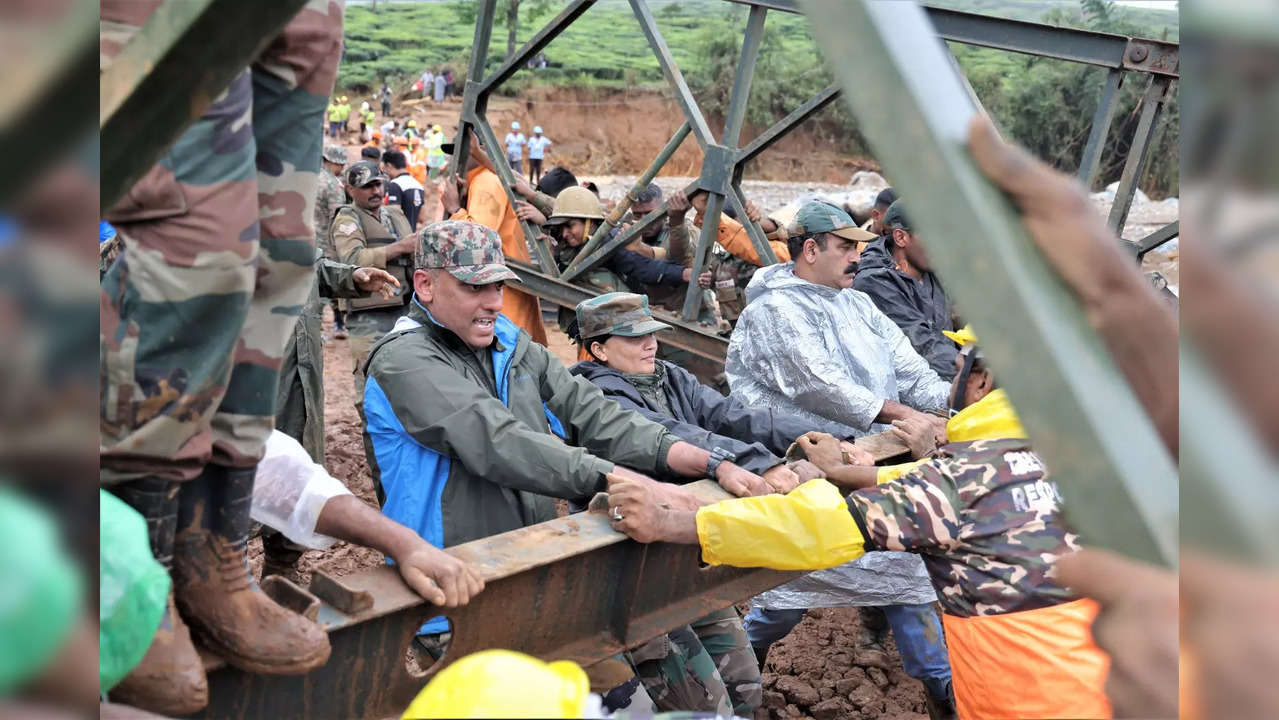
x: 329, y: 195
x: 434, y: 154
x: 334, y: 114
x: 464, y: 409
x: 879, y: 208
x: 403, y: 189
x: 187, y: 398
x: 416, y: 158
x: 368, y: 233
x: 410, y: 129
x: 735, y: 259
x: 345, y: 106
x: 487, y: 204
x: 375, y: 141
x: 983, y: 513
x: 385, y: 96
x: 807, y: 345
x: 367, y: 118
x: 894, y: 271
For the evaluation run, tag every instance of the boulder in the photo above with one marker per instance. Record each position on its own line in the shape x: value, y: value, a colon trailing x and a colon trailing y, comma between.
x: 797, y: 691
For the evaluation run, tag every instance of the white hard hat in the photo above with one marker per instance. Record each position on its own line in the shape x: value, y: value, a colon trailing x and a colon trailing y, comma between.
x: 537, y: 129
x: 515, y: 126
x: 364, y: 106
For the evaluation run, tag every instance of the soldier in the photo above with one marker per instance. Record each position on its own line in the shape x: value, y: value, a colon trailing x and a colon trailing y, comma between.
x: 195, y: 315
x: 328, y: 197
x: 367, y: 233
x: 984, y: 515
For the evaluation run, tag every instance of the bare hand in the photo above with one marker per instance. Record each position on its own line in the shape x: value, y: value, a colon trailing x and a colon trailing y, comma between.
x: 822, y: 450
x: 807, y: 471
x: 918, y: 433
x: 677, y: 207
x: 525, y: 211
x: 373, y: 280
x: 438, y: 576
x: 523, y: 189
x: 740, y: 482
x: 705, y: 280
x: 1055, y: 210
x: 449, y: 194
x: 638, y: 506
x: 781, y: 479
x: 753, y: 212
x: 1138, y: 626
x: 666, y: 494
x: 855, y: 455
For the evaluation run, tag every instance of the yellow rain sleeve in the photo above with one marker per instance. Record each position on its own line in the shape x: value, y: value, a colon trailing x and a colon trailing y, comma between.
x: 808, y: 529
x: 888, y: 473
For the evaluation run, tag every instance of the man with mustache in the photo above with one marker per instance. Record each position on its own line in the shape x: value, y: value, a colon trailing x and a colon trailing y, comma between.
x: 809, y: 345
x: 367, y: 233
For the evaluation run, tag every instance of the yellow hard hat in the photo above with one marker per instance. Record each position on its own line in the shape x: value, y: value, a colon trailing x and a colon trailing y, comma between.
x: 577, y: 202
x: 967, y: 336
x: 437, y: 128
x: 412, y: 123
x: 503, y: 684
x: 343, y: 98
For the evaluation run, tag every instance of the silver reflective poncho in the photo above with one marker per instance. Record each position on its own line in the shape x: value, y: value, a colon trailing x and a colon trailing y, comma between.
x: 831, y: 355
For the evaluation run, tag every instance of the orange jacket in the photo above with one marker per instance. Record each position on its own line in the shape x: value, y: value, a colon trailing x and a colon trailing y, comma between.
x: 732, y: 237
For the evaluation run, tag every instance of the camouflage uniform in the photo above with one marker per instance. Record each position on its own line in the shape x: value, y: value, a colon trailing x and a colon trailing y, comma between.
x: 355, y: 241
x: 602, y: 279
x: 217, y: 261
x: 972, y: 503
x: 330, y: 196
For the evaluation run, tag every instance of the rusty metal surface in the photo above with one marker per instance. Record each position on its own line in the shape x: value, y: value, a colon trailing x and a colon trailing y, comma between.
x: 571, y: 589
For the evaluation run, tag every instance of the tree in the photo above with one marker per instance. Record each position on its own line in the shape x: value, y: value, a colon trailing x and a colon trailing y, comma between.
x: 512, y: 24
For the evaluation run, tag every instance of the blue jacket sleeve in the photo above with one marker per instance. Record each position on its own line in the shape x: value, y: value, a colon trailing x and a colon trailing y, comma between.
x: 636, y: 268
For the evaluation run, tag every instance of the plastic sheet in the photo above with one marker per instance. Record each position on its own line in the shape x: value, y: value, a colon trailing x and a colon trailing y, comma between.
x: 290, y: 491
x: 824, y: 354
x: 133, y: 590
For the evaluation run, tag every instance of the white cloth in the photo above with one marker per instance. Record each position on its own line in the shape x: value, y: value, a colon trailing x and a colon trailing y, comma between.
x: 537, y: 147
x: 290, y: 490
x: 514, y: 145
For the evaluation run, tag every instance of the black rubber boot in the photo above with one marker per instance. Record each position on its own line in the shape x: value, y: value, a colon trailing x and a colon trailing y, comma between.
x: 217, y: 595
x: 170, y: 678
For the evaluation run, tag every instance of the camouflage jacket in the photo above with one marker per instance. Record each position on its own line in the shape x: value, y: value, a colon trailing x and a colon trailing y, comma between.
x: 328, y: 197
x: 985, y: 518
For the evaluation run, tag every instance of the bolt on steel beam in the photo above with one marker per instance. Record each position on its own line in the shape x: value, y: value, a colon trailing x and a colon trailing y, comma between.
x: 153, y: 91
x: 1121, y: 487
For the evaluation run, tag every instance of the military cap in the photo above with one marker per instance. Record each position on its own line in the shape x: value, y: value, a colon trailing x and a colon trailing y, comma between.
x: 896, y: 217
x: 335, y: 154
x: 470, y: 252
x: 618, y: 313
x: 819, y: 217
x: 363, y: 173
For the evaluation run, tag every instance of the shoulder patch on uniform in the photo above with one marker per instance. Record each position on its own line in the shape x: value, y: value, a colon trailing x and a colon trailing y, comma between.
x: 1023, y: 463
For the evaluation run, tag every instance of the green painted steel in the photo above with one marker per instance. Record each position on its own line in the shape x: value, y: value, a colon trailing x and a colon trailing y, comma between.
x: 1120, y: 482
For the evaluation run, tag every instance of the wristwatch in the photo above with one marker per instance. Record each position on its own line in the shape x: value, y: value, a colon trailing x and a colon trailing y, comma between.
x: 717, y: 456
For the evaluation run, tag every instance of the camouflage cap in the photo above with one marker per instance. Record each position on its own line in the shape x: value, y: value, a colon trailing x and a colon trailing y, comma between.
x: 820, y: 217
x: 335, y: 154
x: 470, y: 252
x: 618, y: 313
x: 363, y: 173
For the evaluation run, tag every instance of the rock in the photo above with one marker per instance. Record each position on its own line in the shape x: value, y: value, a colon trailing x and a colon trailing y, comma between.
x: 878, y: 677
x: 768, y: 679
x: 866, y: 698
x: 776, y: 714
x: 826, y: 693
x: 848, y: 684
x: 792, y: 711
x: 797, y: 691
x: 868, y: 179
x: 840, y: 660
x: 817, y: 613
x: 829, y: 709
x: 773, y: 699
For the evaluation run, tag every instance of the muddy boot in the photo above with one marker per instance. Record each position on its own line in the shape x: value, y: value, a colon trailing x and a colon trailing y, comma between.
x: 170, y: 678
x: 215, y: 592
x: 280, y: 556
x: 872, y: 631
x: 941, y: 708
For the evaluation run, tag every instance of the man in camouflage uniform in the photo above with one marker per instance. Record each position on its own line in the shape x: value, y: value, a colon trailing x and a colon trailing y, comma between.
x: 218, y: 260
x: 330, y: 196
x: 984, y: 515
x: 367, y: 233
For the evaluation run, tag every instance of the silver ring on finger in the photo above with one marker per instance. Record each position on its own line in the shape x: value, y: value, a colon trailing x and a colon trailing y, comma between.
x: 617, y: 514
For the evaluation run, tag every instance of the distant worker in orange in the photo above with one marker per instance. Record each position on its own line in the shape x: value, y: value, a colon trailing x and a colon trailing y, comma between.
x: 487, y: 204
x: 417, y: 159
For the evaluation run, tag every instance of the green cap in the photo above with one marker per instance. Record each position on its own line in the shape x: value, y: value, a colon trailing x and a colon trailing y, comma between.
x: 895, y: 217
x: 470, y: 252
x: 618, y: 313
x: 820, y: 217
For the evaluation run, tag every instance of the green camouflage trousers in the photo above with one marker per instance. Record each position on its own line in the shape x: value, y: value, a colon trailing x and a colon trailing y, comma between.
x: 218, y: 259
x: 707, y: 666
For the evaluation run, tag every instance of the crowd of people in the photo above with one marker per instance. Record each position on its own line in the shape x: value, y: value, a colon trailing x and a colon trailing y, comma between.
x: 472, y: 427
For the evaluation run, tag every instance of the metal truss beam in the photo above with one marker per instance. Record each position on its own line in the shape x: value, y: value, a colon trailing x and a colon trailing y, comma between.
x: 1138, y: 151
x: 535, y: 601
x: 1121, y: 487
x: 1156, y: 239
x: 537, y: 43
x: 1101, y: 119
x: 170, y: 73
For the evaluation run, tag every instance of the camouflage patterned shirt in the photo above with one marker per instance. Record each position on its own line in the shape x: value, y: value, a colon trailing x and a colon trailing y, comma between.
x: 329, y: 195
x: 985, y: 518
